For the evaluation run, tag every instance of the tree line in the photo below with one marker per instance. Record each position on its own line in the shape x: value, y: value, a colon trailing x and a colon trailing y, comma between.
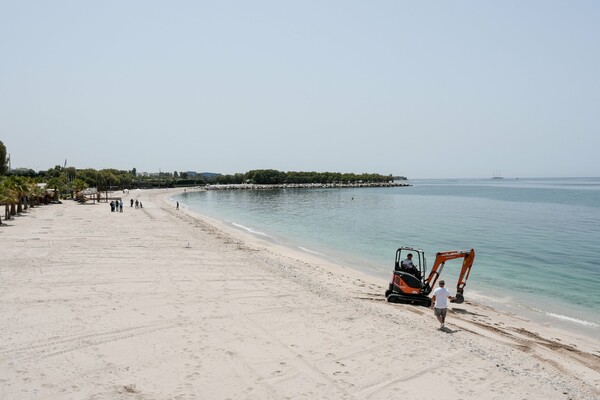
x: 24, y: 188
x: 275, y: 177
x: 71, y: 179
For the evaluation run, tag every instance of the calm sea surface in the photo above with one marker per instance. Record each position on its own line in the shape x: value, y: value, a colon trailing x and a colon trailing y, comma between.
x: 537, y: 241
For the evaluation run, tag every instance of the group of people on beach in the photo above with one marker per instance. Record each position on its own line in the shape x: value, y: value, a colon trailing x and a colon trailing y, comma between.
x: 116, y: 206
x: 138, y: 204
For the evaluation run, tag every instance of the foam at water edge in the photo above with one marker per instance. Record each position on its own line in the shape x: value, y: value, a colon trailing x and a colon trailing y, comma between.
x: 252, y: 231
x: 508, y: 303
x: 563, y: 317
x: 311, y: 251
x: 571, y: 319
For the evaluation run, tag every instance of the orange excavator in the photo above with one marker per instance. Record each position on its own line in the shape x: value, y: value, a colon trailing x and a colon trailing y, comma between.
x: 408, y: 284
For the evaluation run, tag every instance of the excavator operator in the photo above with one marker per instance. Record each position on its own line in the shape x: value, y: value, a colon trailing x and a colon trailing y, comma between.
x: 408, y: 266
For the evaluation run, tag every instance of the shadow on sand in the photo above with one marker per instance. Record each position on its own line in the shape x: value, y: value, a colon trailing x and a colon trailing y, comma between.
x: 465, y: 312
x: 445, y: 329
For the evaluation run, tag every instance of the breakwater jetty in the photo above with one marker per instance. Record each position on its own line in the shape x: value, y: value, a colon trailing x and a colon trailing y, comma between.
x: 252, y: 186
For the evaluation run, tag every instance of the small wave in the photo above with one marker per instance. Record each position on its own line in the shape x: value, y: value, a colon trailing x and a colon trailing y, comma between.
x: 310, y: 251
x: 571, y: 319
x: 252, y: 231
x: 566, y: 318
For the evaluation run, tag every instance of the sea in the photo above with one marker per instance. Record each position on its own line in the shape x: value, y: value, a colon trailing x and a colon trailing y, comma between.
x: 536, y: 240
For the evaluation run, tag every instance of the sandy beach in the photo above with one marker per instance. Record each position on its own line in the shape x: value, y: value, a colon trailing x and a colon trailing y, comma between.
x: 160, y: 303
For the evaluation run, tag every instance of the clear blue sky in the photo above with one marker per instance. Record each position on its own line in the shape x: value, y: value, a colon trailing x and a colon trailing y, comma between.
x: 426, y: 89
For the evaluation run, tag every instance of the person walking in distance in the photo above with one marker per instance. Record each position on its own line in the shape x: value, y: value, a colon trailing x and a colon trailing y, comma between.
x: 439, y: 303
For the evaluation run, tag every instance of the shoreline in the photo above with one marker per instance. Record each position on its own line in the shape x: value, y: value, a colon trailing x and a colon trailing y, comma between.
x: 534, y: 322
x: 570, y: 320
x: 166, y: 303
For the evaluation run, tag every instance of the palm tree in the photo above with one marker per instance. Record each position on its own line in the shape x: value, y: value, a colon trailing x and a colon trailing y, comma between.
x: 21, y: 187
x: 34, y: 194
x: 58, y: 184
x: 8, y: 196
x: 3, y: 194
x: 77, y: 185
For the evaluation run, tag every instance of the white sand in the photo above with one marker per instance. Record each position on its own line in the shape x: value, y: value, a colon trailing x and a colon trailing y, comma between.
x: 158, y: 303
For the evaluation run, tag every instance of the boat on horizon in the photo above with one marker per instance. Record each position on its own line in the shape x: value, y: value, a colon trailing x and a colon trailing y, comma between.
x: 497, y: 175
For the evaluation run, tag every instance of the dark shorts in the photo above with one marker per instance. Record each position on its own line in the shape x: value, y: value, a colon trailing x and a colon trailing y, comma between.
x: 440, y: 311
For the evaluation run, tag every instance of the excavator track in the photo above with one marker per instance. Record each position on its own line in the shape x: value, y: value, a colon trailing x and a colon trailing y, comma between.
x: 416, y: 300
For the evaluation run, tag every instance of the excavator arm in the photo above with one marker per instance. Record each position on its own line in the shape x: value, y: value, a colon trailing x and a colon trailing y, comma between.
x: 440, y: 260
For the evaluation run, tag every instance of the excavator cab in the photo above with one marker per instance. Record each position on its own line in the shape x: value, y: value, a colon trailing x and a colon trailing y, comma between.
x: 409, y: 285
x: 417, y: 258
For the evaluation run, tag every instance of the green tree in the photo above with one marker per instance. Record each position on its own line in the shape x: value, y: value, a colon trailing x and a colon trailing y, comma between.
x: 90, y: 176
x: 22, y: 172
x: 54, y: 172
x: 20, y: 186
x: 77, y: 185
x: 36, y: 192
x: 265, y: 176
x: 58, y: 184
x: 3, y: 161
x: 7, y: 196
x: 11, y: 197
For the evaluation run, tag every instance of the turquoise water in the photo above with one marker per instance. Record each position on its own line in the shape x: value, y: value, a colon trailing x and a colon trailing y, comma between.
x: 536, y: 240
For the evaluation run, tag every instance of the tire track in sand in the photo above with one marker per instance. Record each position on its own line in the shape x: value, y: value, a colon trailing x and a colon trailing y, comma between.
x: 41, y: 349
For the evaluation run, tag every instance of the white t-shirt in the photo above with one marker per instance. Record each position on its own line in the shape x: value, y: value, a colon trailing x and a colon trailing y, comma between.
x: 441, y: 297
x: 407, y: 264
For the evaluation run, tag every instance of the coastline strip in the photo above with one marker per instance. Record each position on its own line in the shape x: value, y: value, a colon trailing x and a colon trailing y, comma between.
x: 164, y: 303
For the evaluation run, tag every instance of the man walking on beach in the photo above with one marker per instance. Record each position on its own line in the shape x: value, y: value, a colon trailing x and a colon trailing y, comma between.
x: 439, y: 303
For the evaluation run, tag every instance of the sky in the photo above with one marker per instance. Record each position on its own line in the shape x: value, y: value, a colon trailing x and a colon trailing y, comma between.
x: 424, y: 89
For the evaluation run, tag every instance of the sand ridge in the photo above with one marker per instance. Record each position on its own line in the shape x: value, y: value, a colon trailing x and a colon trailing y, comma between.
x: 159, y: 303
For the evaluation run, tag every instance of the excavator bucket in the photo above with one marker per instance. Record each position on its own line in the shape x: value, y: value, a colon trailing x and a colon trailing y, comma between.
x: 458, y: 298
